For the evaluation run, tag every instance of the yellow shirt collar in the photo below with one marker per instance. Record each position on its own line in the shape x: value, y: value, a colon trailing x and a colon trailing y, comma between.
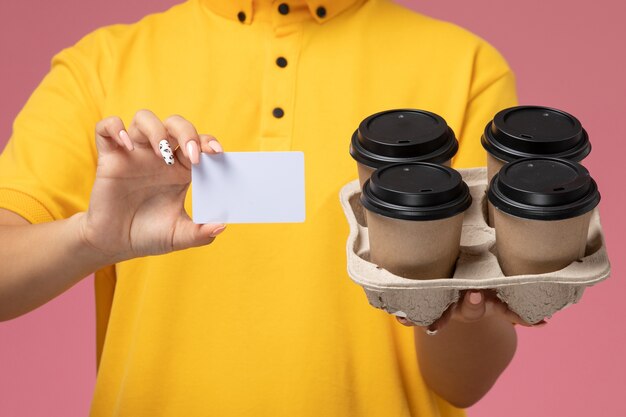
x: 243, y: 10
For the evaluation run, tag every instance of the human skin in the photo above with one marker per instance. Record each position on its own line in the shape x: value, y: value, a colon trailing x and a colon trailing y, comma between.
x: 472, y: 344
x: 134, y: 213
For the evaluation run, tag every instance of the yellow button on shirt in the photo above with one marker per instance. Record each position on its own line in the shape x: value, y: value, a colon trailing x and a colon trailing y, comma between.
x: 265, y: 322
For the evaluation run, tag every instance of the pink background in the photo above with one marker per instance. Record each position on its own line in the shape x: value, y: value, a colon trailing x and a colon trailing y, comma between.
x: 566, y: 54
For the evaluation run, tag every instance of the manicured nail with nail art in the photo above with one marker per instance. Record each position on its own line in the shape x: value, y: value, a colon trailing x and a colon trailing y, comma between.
x: 192, y: 152
x: 166, y: 152
x: 215, y: 145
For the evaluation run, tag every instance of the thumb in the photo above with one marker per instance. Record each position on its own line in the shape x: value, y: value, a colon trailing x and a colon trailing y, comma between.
x: 473, y: 306
x: 189, y: 235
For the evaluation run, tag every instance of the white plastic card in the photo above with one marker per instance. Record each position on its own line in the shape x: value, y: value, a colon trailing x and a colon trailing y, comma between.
x: 249, y: 187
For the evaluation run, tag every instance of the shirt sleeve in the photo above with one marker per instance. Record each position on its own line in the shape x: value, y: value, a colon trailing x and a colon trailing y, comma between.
x: 48, y: 167
x: 492, y: 89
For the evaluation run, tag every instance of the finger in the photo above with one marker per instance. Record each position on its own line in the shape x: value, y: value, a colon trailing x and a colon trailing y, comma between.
x: 429, y: 330
x: 180, y: 157
x: 186, y: 136
x: 433, y: 328
x: 405, y: 322
x: 208, y: 144
x: 189, y: 235
x: 472, y: 308
x: 111, y: 134
x: 147, y: 129
x: 503, y: 311
x: 441, y: 322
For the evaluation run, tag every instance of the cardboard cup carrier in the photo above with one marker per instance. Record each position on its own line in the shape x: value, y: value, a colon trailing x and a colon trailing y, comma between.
x: 401, y: 136
x: 422, y: 301
x: 415, y: 216
x: 532, y: 132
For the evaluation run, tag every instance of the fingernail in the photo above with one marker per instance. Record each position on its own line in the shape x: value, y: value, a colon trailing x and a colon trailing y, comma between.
x: 431, y: 332
x: 475, y: 297
x: 400, y: 314
x: 218, y: 231
x: 215, y: 145
x: 166, y: 152
x: 192, y: 152
x: 540, y: 324
x: 126, y: 140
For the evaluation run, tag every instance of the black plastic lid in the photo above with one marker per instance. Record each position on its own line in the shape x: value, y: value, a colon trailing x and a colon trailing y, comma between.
x: 400, y: 136
x: 416, y: 191
x: 544, y: 189
x: 534, y: 131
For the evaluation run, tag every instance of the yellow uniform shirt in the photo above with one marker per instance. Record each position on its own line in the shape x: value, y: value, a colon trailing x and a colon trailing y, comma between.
x: 265, y: 322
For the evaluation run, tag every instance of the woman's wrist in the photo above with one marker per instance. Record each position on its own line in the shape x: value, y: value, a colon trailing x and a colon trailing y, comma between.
x: 86, y: 248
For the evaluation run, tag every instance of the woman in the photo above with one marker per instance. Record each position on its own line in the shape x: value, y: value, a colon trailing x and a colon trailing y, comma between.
x: 264, y: 321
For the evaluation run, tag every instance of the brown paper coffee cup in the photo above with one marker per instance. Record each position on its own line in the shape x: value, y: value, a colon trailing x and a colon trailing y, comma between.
x: 414, y: 215
x: 415, y: 249
x: 493, y: 166
x: 535, y: 132
x: 532, y: 132
x: 364, y: 172
x: 541, y: 212
x: 401, y: 136
x: 528, y: 247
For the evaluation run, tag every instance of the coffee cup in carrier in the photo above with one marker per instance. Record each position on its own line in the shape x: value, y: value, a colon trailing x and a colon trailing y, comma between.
x: 401, y: 136
x: 414, y: 215
x: 533, y: 131
x: 530, y: 132
x: 542, y: 210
